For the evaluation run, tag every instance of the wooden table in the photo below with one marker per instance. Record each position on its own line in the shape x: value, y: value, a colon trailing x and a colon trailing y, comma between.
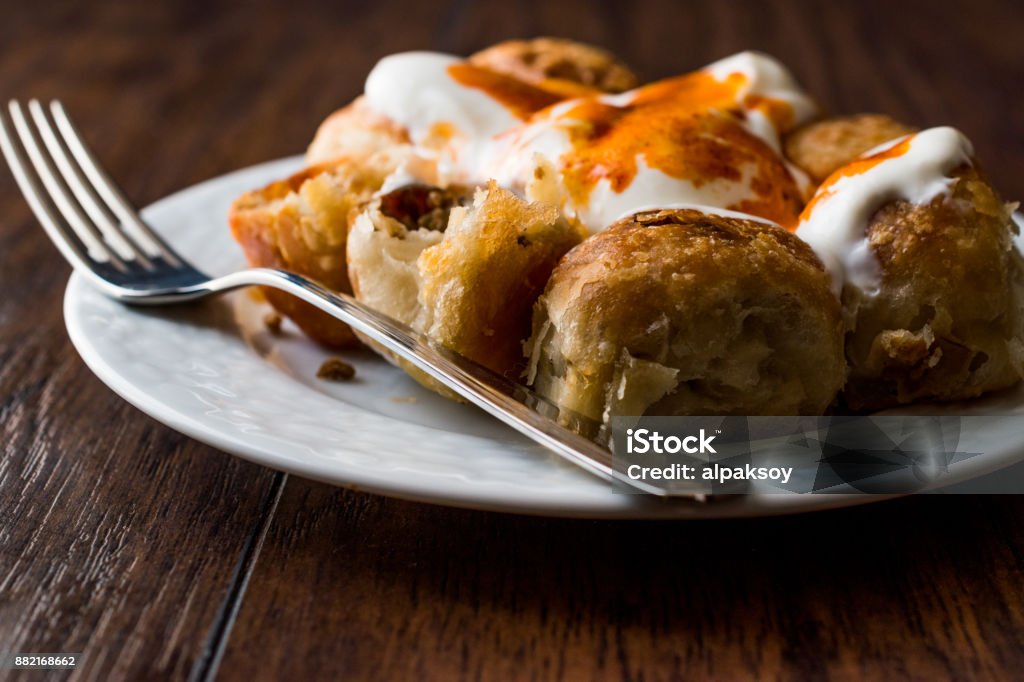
x: 160, y: 558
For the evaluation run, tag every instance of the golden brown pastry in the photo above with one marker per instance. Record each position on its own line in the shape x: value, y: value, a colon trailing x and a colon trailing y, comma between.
x: 301, y: 224
x: 904, y: 280
x: 679, y: 312
x: 559, y: 68
x: 559, y: 65
x: 465, y: 273
x: 355, y: 132
x: 948, y: 322
x: 820, y: 148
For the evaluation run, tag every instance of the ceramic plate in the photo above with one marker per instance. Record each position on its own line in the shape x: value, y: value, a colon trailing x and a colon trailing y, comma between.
x: 213, y: 372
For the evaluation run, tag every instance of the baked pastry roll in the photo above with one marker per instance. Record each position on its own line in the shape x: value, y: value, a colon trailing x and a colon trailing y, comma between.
x: 707, y: 138
x: 301, y: 224
x: 355, y: 131
x: 555, y: 68
x: 557, y: 64
x: 822, y: 147
x: 464, y: 269
x: 922, y: 251
x: 681, y: 312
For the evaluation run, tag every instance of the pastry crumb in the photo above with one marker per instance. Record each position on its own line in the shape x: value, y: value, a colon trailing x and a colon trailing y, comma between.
x: 335, y: 369
x: 404, y: 399
x: 272, y: 321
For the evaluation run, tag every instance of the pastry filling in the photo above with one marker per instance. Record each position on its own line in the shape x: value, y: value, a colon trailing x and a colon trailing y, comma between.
x: 422, y: 207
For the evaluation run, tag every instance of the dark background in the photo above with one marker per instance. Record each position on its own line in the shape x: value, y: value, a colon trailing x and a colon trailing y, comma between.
x: 160, y: 558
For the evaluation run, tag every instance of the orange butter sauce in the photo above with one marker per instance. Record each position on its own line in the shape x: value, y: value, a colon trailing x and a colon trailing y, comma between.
x: 857, y: 167
x: 520, y: 98
x: 689, y: 127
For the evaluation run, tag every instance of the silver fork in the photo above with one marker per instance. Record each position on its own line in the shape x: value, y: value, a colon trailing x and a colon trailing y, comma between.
x: 106, y: 240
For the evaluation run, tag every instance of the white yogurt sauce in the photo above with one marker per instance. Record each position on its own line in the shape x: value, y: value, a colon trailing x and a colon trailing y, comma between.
x: 416, y: 90
x: 836, y: 227
x: 767, y: 78
x: 654, y: 188
x: 1018, y: 239
x: 548, y: 137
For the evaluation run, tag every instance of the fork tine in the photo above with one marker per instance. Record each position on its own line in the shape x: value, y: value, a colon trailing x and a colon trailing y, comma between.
x: 60, y: 217
x: 70, y: 246
x: 105, y: 186
x: 87, y: 199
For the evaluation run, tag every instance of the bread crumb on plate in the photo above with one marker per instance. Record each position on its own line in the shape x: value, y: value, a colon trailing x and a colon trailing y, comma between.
x: 335, y: 369
x: 272, y: 321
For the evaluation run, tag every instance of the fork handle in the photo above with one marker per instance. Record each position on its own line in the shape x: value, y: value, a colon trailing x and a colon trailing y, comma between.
x: 507, y: 401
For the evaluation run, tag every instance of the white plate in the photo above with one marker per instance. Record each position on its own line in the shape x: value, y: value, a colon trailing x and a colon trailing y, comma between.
x: 214, y: 373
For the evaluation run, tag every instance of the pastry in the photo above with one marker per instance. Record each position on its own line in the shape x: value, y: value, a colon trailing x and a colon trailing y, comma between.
x: 558, y: 64
x: 821, y: 147
x: 922, y: 254
x: 464, y: 269
x: 705, y: 244
x: 301, y: 224
x: 556, y: 67
x: 355, y: 132
x: 711, y: 137
x: 681, y: 312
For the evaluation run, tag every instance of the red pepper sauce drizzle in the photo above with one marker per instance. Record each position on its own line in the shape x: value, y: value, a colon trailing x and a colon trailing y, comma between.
x: 689, y: 128
x: 857, y: 167
x: 520, y: 98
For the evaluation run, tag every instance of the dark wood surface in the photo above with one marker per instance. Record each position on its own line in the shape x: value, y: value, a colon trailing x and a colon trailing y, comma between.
x: 160, y: 558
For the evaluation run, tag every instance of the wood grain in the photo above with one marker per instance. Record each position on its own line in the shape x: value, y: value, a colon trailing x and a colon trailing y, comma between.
x: 368, y: 588
x: 125, y: 541
x: 119, y: 537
